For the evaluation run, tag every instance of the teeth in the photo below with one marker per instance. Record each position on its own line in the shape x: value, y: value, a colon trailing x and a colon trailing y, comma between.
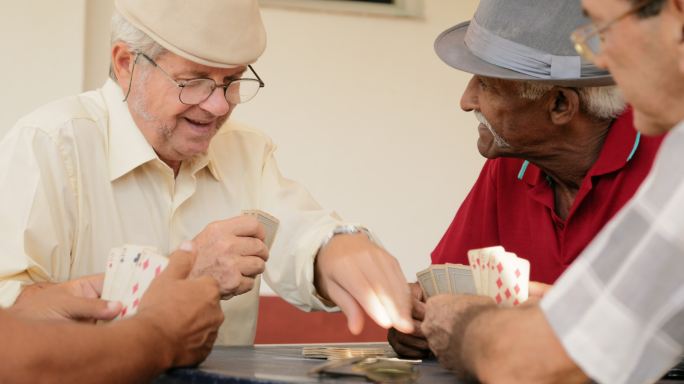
x: 198, y: 122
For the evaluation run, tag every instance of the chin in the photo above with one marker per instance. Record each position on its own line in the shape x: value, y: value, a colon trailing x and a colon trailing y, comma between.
x: 651, y: 126
x: 488, y: 150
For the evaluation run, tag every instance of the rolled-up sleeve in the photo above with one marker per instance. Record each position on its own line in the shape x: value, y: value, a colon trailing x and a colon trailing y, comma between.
x: 303, y: 226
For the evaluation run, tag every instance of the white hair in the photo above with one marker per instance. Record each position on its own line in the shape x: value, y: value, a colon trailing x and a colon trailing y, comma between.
x: 134, y: 38
x: 602, y: 103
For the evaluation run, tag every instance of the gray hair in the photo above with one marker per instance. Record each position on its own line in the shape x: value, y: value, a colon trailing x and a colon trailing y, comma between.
x: 134, y: 38
x: 602, y: 103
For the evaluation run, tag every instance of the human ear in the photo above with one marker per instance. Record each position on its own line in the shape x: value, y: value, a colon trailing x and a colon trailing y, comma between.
x: 563, y: 105
x: 121, y: 66
x: 677, y: 7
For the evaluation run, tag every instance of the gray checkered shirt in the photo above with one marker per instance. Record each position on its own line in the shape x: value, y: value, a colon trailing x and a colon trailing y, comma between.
x: 619, y: 309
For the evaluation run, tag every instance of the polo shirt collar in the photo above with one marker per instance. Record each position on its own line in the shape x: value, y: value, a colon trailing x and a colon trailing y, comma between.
x: 128, y: 147
x: 619, y: 147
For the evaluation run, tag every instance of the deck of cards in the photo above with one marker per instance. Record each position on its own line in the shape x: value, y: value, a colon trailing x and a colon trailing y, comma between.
x: 492, y: 272
x: 338, y: 352
x: 269, y: 222
x: 129, y: 272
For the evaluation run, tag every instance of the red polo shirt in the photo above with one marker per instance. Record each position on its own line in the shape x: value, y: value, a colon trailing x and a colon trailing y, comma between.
x: 514, y: 207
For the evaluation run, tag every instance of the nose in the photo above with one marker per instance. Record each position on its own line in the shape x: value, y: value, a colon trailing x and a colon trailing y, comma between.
x: 216, y: 103
x: 469, y: 99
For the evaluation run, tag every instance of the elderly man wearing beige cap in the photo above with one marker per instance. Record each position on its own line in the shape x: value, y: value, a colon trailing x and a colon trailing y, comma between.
x: 151, y: 158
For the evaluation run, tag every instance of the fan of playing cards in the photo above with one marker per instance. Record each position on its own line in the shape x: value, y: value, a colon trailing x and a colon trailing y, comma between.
x: 492, y: 272
x: 129, y: 272
x: 130, y: 269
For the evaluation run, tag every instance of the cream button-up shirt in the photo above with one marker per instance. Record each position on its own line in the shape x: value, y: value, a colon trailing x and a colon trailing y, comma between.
x: 77, y: 177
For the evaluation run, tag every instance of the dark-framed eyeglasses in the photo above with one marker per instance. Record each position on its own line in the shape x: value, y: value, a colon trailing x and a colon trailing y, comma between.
x: 587, y: 38
x: 196, y: 91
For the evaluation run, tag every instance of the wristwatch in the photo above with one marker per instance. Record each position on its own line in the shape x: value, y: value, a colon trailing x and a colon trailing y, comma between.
x: 346, y: 229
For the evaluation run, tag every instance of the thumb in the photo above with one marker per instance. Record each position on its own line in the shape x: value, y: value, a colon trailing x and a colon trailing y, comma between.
x: 79, y: 308
x: 181, y: 262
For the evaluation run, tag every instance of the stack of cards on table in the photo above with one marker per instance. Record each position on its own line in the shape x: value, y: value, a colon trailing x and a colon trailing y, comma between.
x: 492, y: 272
x: 336, y: 353
x: 269, y: 222
x: 129, y: 272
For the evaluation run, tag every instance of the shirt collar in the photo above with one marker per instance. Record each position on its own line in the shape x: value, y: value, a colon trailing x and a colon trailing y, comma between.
x: 128, y: 147
x: 619, y: 147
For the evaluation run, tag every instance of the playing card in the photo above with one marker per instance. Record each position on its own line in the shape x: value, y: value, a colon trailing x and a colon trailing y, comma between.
x: 486, y: 263
x: 461, y: 279
x: 427, y: 283
x: 123, y: 272
x: 474, y: 260
x: 110, y: 271
x: 510, y: 279
x: 148, y: 266
x: 269, y: 222
x: 128, y: 273
x: 441, y: 278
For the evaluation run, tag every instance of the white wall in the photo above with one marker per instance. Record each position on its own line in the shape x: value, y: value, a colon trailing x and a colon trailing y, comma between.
x: 42, y: 54
x: 368, y: 118
x: 365, y: 114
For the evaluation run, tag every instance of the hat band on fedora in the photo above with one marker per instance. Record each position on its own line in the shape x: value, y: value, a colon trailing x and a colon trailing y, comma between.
x: 521, y: 58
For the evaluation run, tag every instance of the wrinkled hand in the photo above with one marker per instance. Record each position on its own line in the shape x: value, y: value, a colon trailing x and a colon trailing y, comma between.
x: 185, y: 310
x: 77, y: 299
x: 232, y: 252
x: 358, y: 275
x: 446, y: 317
x: 412, y: 345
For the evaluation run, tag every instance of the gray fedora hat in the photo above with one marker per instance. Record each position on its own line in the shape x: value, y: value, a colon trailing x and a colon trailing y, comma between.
x: 521, y: 40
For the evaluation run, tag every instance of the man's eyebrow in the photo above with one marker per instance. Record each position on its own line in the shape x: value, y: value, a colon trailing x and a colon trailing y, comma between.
x: 206, y: 75
x: 234, y: 76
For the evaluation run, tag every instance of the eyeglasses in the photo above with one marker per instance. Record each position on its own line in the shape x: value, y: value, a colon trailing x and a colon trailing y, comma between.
x: 196, y: 91
x: 588, y: 38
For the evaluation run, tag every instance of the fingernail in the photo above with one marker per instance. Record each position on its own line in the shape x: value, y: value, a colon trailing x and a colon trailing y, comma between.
x: 113, y: 305
x: 186, y: 246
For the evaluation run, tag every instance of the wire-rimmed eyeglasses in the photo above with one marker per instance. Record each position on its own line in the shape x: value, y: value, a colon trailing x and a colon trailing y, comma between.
x: 196, y: 91
x: 587, y: 38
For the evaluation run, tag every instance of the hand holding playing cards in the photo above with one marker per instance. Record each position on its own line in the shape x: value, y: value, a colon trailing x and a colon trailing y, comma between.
x: 232, y: 252
x: 185, y: 310
x: 412, y: 345
x: 77, y: 299
x: 446, y: 317
x: 358, y: 275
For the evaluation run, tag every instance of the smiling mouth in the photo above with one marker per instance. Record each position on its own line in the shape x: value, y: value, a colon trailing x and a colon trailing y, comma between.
x: 202, y: 126
x: 199, y: 122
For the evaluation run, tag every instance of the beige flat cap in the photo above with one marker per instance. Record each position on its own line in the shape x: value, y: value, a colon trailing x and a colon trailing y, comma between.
x: 217, y: 33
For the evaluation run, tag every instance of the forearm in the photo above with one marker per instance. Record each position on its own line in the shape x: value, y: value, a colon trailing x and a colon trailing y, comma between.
x: 516, y: 346
x: 55, y: 351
